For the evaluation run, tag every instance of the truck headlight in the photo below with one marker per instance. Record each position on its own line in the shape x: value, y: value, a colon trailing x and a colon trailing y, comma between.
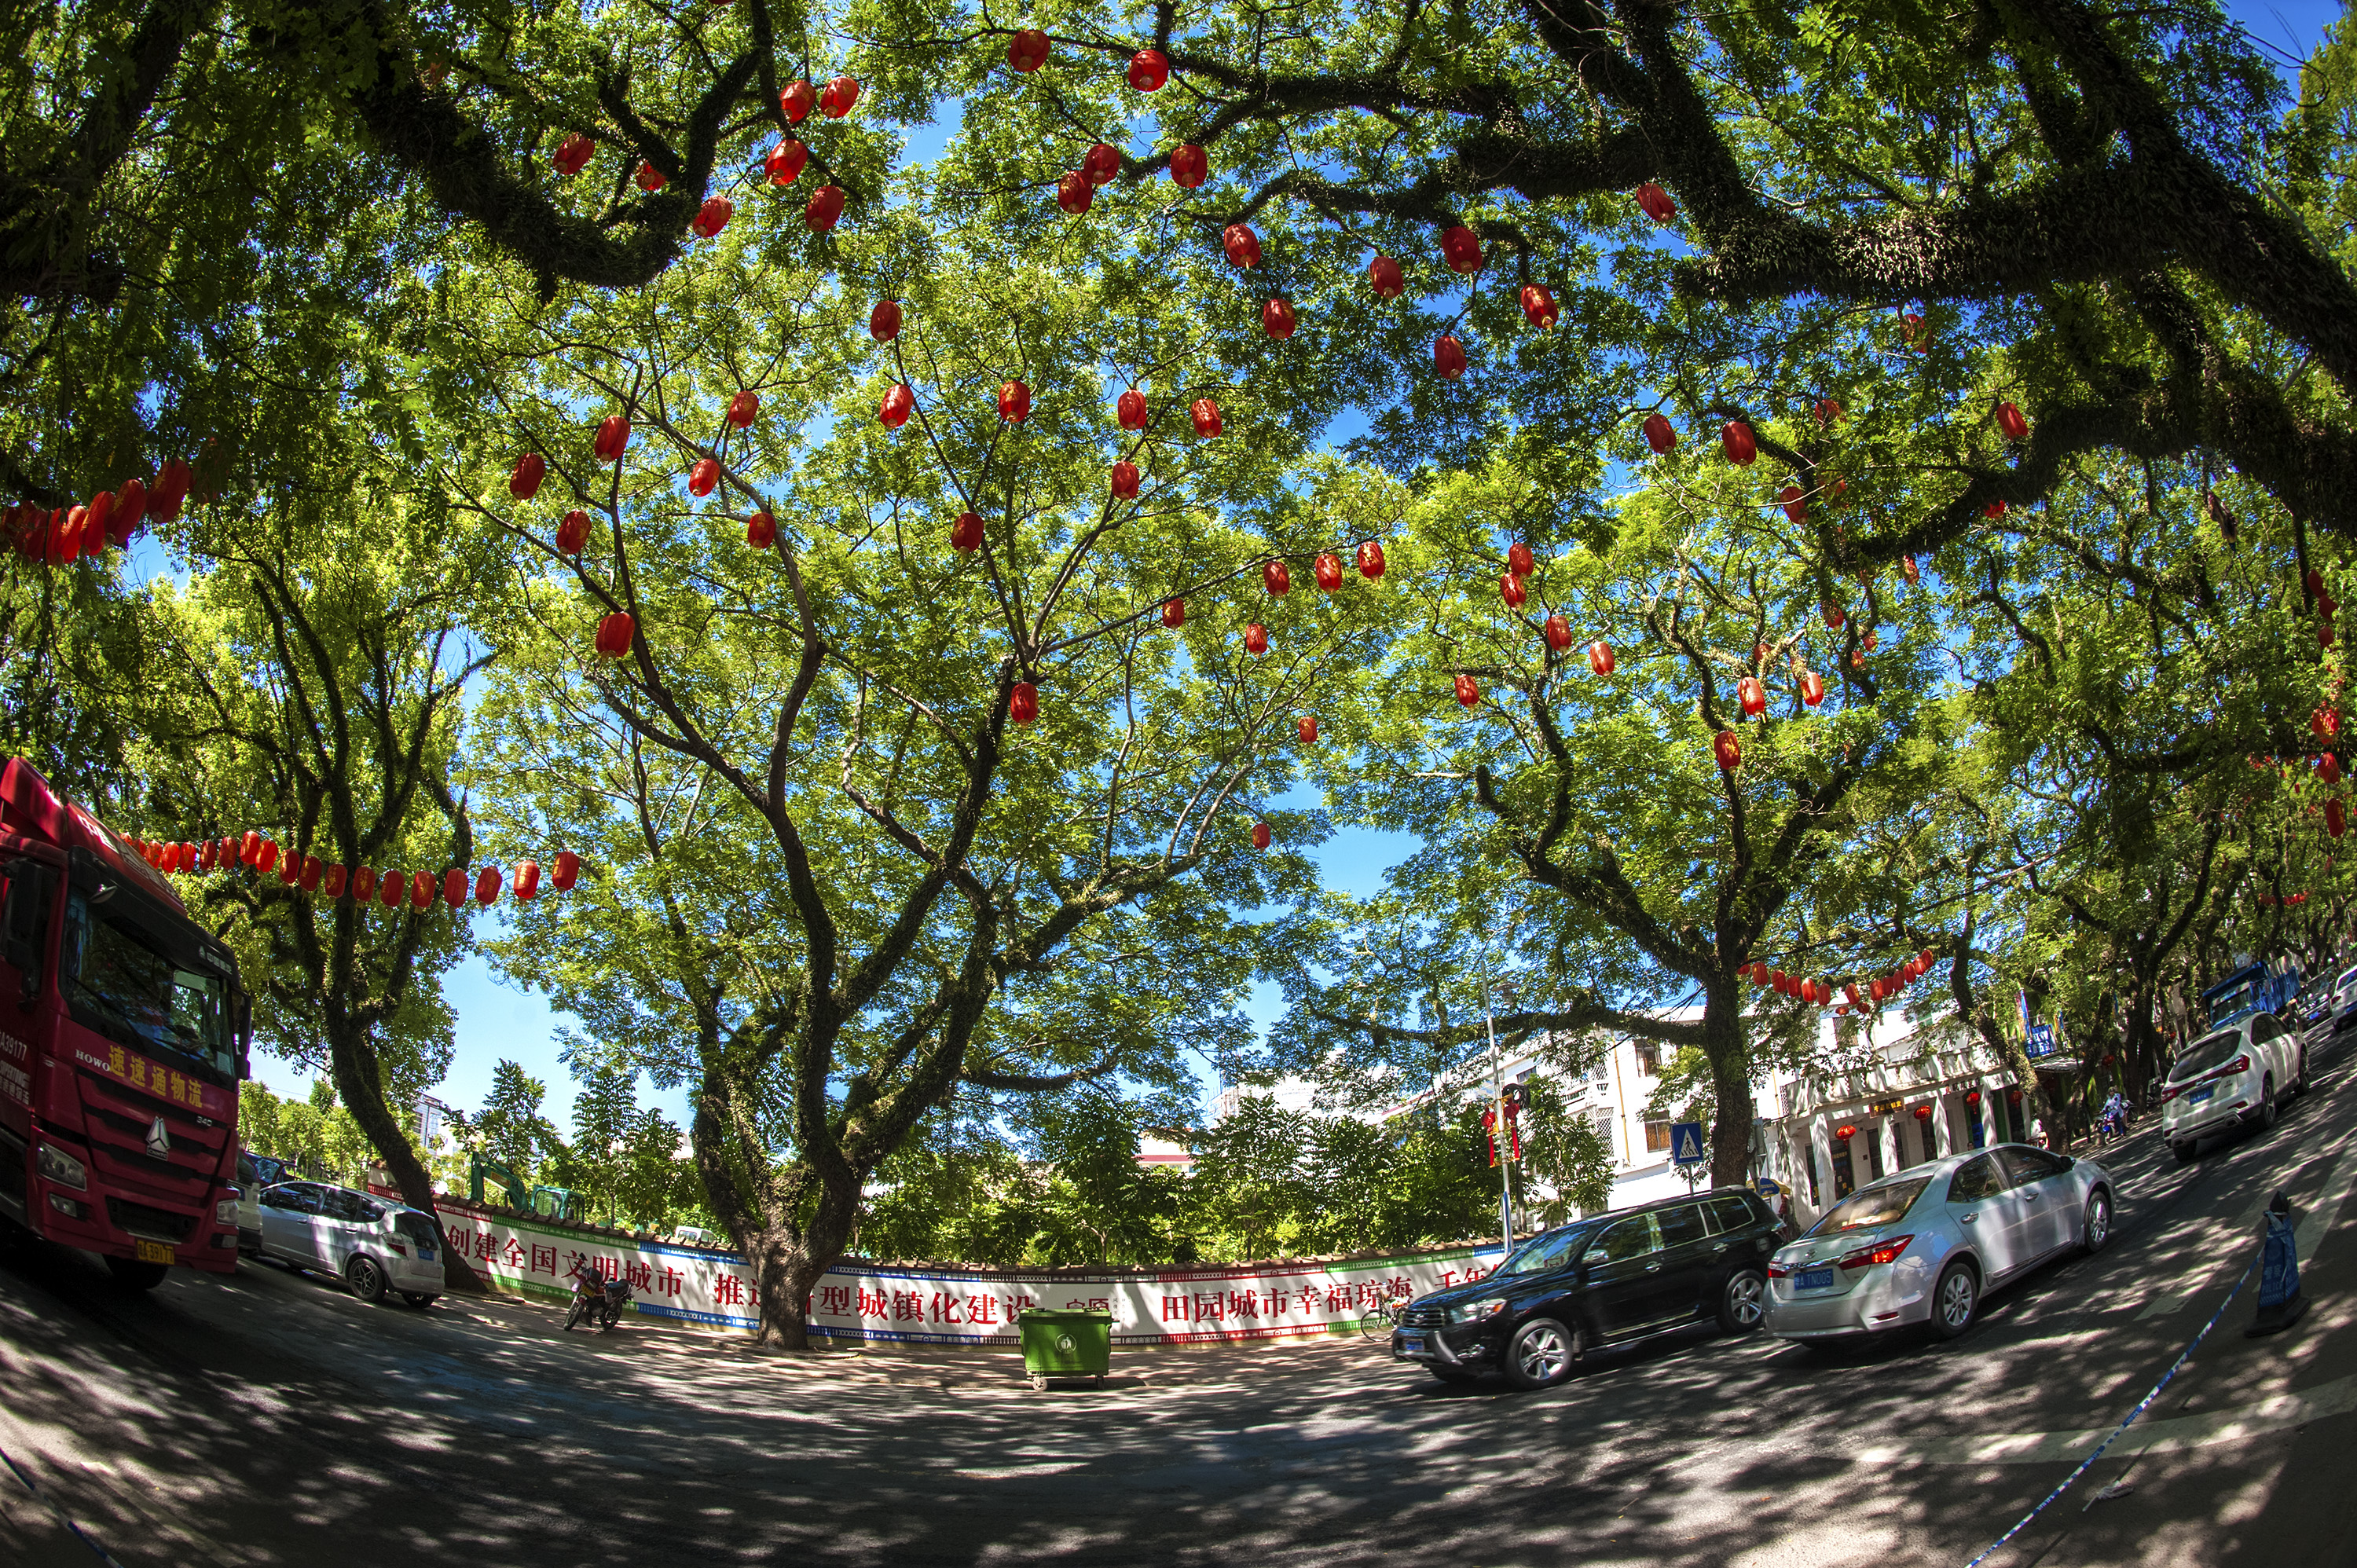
x: 62, y: 1168
x: 1475, y: 1310
x: 225, y: 1212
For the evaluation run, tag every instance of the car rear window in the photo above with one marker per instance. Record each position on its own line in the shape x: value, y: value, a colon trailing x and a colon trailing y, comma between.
x: 1732, y: 1214
x: 1681, y: 1225
x: 415, y: 1226
x: 2210, y: 1050
x: 1875, y: 1205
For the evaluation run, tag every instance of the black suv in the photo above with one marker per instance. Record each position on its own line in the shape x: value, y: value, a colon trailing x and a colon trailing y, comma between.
x: 1605, y: 1280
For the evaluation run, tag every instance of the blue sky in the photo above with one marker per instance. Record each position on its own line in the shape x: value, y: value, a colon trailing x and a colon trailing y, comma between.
x: 498, y: 1021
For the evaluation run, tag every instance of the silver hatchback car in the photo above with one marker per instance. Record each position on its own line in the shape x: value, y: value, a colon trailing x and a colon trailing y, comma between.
x: 1922, y: 1245
x: 372, y: 1245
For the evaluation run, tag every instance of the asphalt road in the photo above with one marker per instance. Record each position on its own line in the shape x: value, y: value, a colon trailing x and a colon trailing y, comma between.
x: 270, y: 1418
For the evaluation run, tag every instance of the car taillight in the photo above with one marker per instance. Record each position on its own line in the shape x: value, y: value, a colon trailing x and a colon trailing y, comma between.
x: 1886, y: 1250
x: 398, y: 1245
x: 2171, y: 1093
x: 1780, y: 1271
x: 2240, y: 1064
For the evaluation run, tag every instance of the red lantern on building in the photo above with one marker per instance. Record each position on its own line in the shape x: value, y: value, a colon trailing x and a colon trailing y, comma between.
x: 1973, y: 1098
x: 1923, y: 1113
x: 1845, y: 1131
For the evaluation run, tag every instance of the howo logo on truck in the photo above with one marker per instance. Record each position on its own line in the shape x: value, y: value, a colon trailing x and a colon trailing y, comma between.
x: 159, y: 1142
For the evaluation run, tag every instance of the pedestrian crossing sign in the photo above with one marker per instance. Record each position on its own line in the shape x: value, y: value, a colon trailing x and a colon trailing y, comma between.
x: 1685, y: 1143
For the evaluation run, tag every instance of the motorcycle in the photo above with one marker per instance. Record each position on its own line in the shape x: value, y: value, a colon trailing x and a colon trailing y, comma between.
x: 596, y: 1300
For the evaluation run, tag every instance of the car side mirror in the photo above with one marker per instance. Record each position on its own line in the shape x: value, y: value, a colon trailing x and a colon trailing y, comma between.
x: 1595, y: 1255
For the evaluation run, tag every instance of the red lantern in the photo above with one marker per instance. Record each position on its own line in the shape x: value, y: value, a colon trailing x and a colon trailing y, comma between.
x: 713, y: 216
x: 1276, y: 318
x: 1074, y: 193
x: 1828, y: 410
x: 824, y: 209
x: 649, y: 178
x: 1519, y: 559
x: 743, y: 409
x: 454, y: 886
x: 1599, y: 657
x: 1027, y: 51
x: 421, y: 889
x: 527, y: 880
x: 2324, y: 634
x: 1735, y: 440
x: 1274, y: 577
x: 1013, y: 402
x: 760, y: 530
x: 1727, y: 749
x: 1656, y: 202
x: 2328, y: 768
x: 1659, y: 436
x: 1973, y: 1096
x: 703, y: 476
x: 1023, y: 703
x: 1468, y: 692
x: 1260, y: 836
x: 2325, y: 723
x: 613, y: 437
x: 1384, y: 277
x: 209, y: 854
x: 1877, y: 989
x: 1449, y: 357
x: 1462, y: 248
x: 1174, y: 613
x: 1130, y: 409
x: 1834, y: 615
x: 1206, y: 415
x: 98, y: 524
x: 1845, y: 1131
x: 1758, y: 974
x: 1558, y: 632
x: 898, y: 403
x: 1812, y: 687
x: 130, y: 509
x: 1242, y: 245
x: 1922, y: 1113
x: 1777, y: 978
x: 784, y: 164
x: 268, y: 856
x: 1752, y: 695
x: 1511, y: 589
x: 1795, y: 504
x: 1305, y: 726
x: 65, y: 536
x: 1329, y: 571
x: 795, y: 102
x: 568, y: 868
x: 331, y: 884
x: 966, y: 533
x: 573, y: 154
x: 1850, y: 990
x: 172, y: 482
x: 1907, y: 569
x: 1149, y: 70
x: 1100, y: 163
x: 1190, y: 167
x: 883, y: 321
x: 839, y: 95
x: 363, y: 885
x: 391, y: 889
x: 1538, y: 305
x: 2334, y: 820
x: 1370, y: 559
x: 486, y: 885
x: 525, y: 483
x: 1125, y: 480
x: 309, y: 878
x: 1255, y: 639
x: 2009, y: 420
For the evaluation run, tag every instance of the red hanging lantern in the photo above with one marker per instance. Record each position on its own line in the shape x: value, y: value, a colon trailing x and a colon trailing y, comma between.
x: 1511, y: 589
x: 1260, y: 836
x: 1023, y: 703
x: 1100, y: 163
x: 392, y: 888
x: 1835, y: 618
x: 1125, y: 480
x: 1384, y: 277
x: 573, y: 533
x: 209, y: 856
x: 1995, y: 508
x: 331, y: 884
x: 568, y: 868
x: 1752, y: 695
x: 527, y: 880
x: 421, y: 889
x: 1242, y: 245
x: 65, y: 536
x: 795, y: 102
x: 1735, y: 439
x: 743, y: 409
x: 1599, y: 657
x: 1538, y: 306
x: 1728, y: 750
x: 454, y: 886
x: 2334, y: 819
x: 1827, y: 410
x: 898, y: 403
x: 1174, y: 613
x: 1130, y: 409
x: 1907, y: 569
x: 98, y: 524
x: 713, y: 216
x: 1276, y: 318
x: 1845, y: 1131
x: 1074, y: 193
x: 1812, y: 687
x: 1190, y: 166
x: 1973, y: 1098
x: 1206, y: 415
x: 525, y: 483
x: 836, y: 101
x: 1329, y: 571
x: 883, y: 321
x: 760, y: 530
x: 1013, y: 402
x: 1519, y: 560
x: 785, y: 163
x: 1877, y: 989
x: 1255, y: 639
x: 1449, y: 357
x: 1795, y: 504
x: 823, y: 209
x: 2325, y: 723
x: 486, y: 885
x: 1923, y: 1113
x: 1149, y: 70
x: 966, y: 533
x: 1656, y: 202
x: 703, y: 476
x: 312, y: 870
x: 1305, y: 726
x: 1274, y: 577
x: 1027, y: 51
x: 1462, y: 248
x: 615, y: 632
x: 1850, y: 990
x: 1468, y: 692
x: 2009, y: 420
x: 649, y: 178
x: 1659, y: 434
x: 268, y: 856
x: 172, y: 481
x: 363, y: 883
x: 1558, y: 631
x: 1777, y: 978
x: 1370, y: 559
x: 130, y: 510
x: 573, y: 154
x: 2328, y: 768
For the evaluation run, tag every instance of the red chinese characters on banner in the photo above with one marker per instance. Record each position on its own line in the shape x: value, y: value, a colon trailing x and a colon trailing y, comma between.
x: 728, y: 1290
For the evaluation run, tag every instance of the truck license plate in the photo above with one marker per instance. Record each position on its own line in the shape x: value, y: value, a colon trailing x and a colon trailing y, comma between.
x: 1812, y: 1279
x: 151, y: 1251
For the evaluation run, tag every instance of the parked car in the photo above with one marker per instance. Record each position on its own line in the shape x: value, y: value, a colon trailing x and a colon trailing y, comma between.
x: 2237, y: 1076
x: 254, y: 1172
x: 2341, y: 1002
x: 372, y: 1245
x: 1607, y: 1280
x: 1926, y: 1244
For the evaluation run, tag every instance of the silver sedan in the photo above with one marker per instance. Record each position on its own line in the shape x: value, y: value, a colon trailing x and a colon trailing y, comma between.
x: 1922, y: 1246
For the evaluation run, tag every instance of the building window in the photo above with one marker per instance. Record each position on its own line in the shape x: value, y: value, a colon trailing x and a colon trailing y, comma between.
x: 1649, y: 1061
x: 1657, y: 1137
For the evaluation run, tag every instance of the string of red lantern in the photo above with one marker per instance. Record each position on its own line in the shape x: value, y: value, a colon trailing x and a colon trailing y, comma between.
x: 257, y: 852
x: 47, y: 536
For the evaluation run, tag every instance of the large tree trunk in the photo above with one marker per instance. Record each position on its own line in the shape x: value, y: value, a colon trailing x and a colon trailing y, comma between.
x: 360, y: 1085
x: 1730, y: 1078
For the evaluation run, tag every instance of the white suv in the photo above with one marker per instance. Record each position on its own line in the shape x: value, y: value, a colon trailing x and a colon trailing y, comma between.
x: 2234, y: 1076
x: 372, y: 1245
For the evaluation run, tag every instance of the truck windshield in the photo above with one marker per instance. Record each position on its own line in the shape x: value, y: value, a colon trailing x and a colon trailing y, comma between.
x: 119, y: 981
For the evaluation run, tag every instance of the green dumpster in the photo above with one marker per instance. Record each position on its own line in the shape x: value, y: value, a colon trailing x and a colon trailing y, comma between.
x: 1066, y: 1342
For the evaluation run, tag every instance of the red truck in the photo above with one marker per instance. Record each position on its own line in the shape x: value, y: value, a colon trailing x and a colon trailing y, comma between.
x: 123, y: 1035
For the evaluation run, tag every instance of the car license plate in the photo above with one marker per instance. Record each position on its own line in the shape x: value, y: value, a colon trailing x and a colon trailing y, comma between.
x: 426, y: 1254
x: 1812, y: 1279
x: 1411, y: 1344
x: 2195, y: 1097
x: 151, y: 1251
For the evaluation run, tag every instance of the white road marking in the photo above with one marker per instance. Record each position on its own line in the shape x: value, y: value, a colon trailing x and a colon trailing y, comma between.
x: 2278, y: 1412
x: 2163, y: 1304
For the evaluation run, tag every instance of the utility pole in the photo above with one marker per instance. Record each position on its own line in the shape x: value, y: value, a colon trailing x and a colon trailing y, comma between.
x: 1500, y: 1135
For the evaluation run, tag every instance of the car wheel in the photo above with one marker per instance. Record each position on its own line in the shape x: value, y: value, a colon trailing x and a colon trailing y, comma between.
x: 134, y: 1275
x: 1541, y: 1354
x: 2184, y: 1153
x: 367, y: 1280
x: 419, y: 1299
x: 2098, y: 1230
x: 2262, y: 1115
x: 1450, y: 1374
x: 1743, y: 1306
x: 1954, y: 1300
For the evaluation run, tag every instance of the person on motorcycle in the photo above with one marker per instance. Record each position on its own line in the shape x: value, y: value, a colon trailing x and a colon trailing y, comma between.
x: 2116, y: 1115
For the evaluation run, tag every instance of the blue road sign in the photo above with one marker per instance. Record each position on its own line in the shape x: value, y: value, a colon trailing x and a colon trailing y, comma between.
x: 2041, y: 1041
x: 1685, y: 1144
x: 1765, y: 1187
